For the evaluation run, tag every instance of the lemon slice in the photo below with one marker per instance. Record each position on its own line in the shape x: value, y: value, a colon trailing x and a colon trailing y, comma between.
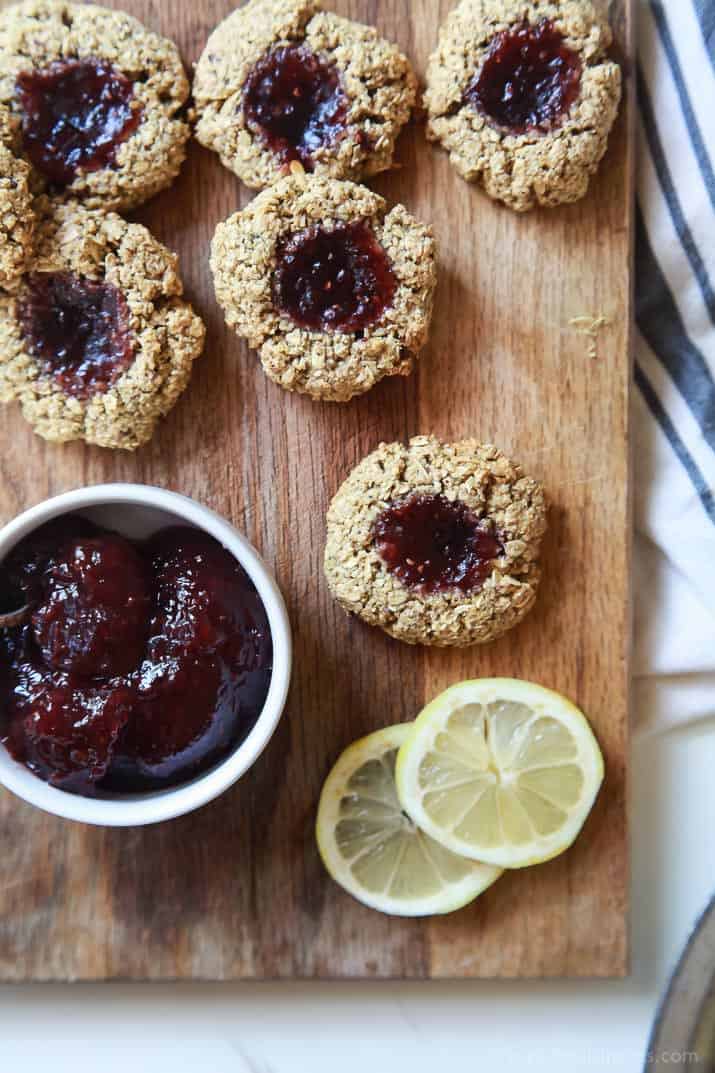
x: 500, y: 771
x: 372, y: 849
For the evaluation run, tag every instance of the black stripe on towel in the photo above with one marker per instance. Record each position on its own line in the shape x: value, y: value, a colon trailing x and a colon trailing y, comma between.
x: 705, y: 10
x: 696, y: 137
x: 661, y: 325
x: 670, y: 194
x: 705, y: 493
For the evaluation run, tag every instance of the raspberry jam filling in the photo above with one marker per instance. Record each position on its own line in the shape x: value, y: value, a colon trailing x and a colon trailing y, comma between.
x: 78, y: 329
x: 143, y: 664
x: 338, y: 280
x: 295, y: 101
x: 433, y: 544
x: 75, y: 115
x: 529, y: 79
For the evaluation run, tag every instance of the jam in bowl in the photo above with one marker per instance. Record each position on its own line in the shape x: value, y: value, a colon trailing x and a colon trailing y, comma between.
x: 144, y: 655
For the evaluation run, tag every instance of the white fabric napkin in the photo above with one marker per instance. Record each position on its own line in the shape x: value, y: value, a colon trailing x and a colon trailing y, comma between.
x: 674, y: 405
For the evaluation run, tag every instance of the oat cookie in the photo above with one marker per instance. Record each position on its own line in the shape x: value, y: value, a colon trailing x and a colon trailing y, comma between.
x: 334, y: 291
x: 282, y: 80
x: 96, y: 343
x: 437, y: 543
x: 17, y: 217
x: 99, y: 99
x: 523, y: 97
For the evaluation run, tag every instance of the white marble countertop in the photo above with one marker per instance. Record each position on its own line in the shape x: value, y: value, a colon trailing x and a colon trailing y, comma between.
x: 423, y: 1028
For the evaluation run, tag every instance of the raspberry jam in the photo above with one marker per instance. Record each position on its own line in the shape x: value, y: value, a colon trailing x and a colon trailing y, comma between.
x: 294, y: 100
x: 63, y: 728
x: 142, y: 665
x: 339, y: 280
x: 75, y: 115
x: 529, y: 79
x: 92, y: 615
x: 433, y: 544
x: 77, y: 329
x: 207, y: 665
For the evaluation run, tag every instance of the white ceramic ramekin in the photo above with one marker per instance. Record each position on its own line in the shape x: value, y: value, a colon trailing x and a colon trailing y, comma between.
x: 137, y: 511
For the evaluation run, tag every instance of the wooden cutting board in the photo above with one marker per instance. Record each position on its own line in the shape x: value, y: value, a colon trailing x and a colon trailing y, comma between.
x: 236, y: 890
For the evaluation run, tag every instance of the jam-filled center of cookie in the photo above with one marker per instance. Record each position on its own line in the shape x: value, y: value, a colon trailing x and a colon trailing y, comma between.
x: 77, y: 329
x: 75, y: 115
x: 433, y: 544
x: 295, y: 101
x: 529, y: 79
x: 338, y: 280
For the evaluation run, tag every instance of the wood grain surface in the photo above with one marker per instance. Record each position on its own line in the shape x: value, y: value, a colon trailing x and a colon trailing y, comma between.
x: 236, y: 890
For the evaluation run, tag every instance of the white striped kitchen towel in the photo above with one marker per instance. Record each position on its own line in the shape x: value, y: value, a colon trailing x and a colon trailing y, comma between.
x: 675, y: 364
